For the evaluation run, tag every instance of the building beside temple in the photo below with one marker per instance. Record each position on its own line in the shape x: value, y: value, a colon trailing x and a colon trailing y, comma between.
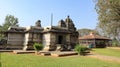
x: 64, y: 34
x: 94, y: 40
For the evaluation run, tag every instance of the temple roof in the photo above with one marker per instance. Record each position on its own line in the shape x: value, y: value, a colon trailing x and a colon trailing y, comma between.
x: 64, y: 26
x: 56, y: 29
x: 14, y: 29
x: 93, y: 36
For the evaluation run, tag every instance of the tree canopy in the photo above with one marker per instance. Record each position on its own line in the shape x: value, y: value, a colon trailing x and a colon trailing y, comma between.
x: 109, y: 17
x: 10, y: 20
x: 83, y: 32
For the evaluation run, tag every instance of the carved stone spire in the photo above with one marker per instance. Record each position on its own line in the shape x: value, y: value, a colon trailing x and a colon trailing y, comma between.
x: 68, y: 19
x: 38, y: 23
x: 61, y: 23
x: 69, y: 23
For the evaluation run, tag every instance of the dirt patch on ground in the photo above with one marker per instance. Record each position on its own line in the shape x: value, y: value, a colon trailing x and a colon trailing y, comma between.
x: 114, y: 48
x: 104, y: 57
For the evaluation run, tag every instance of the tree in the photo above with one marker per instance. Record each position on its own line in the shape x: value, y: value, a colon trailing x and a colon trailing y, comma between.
x: 1, y: 33
x: 109, y: 18
x: 0, y: 27
x: 83, y: 32
x: 9, y: 21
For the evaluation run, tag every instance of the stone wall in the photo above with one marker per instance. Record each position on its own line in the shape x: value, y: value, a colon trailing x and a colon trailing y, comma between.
x: 15, y: 40
x: 68, y: 38
x: 30, y: 39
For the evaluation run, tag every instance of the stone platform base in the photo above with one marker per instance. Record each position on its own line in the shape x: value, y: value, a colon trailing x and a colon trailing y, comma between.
x: 6, y: 50
x: 48, y: 53
x: 44, y: 53
x: 22, y: 52
x: 61, y: 54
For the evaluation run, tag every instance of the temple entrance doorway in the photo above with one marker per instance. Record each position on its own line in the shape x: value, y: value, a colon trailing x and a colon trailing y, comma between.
x: 60, y: 39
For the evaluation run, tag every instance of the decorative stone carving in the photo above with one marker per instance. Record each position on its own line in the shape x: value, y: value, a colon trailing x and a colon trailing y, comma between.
x: 69, y: 24
x: 38, y: 23
x: 61, y: 23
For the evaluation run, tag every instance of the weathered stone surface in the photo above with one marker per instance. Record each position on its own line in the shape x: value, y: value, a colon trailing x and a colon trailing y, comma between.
x: 64, y: 34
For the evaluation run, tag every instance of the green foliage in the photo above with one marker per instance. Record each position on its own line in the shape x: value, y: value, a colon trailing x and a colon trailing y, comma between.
x: 109, y: 17
x: 83, y: 32
x: 10, y: 20
x: 115, y: 43
x: 38, y: 46
x: 80, y: 49
x: 30, y: 60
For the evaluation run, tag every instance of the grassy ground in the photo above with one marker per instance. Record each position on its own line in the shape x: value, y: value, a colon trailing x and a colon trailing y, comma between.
x: 107, y: 51
x: 31, y: 60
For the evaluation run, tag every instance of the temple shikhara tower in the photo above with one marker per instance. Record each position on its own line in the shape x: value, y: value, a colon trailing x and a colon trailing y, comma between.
x: 64, y: 35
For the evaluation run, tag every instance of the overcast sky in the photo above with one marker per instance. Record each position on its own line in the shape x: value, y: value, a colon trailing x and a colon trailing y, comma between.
x: 82, y: 12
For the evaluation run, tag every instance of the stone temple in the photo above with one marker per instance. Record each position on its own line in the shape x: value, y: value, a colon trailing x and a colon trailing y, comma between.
x: 64, y: 35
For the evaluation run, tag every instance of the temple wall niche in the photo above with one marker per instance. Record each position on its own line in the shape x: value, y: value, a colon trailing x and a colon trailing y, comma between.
x: 68, y: 38
x: 53, y: 38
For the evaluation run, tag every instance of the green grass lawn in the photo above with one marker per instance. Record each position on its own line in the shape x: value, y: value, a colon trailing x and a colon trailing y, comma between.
x: 31, y: 60
x: 107, y: 51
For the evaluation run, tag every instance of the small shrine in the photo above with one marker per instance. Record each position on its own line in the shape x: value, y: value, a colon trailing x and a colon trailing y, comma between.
x: 93, y: 40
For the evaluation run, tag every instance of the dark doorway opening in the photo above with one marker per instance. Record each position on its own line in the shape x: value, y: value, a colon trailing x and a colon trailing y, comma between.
x: 60, y: 39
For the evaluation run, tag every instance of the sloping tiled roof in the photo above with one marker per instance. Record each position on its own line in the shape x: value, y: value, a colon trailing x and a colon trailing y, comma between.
x: 93, y: 36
